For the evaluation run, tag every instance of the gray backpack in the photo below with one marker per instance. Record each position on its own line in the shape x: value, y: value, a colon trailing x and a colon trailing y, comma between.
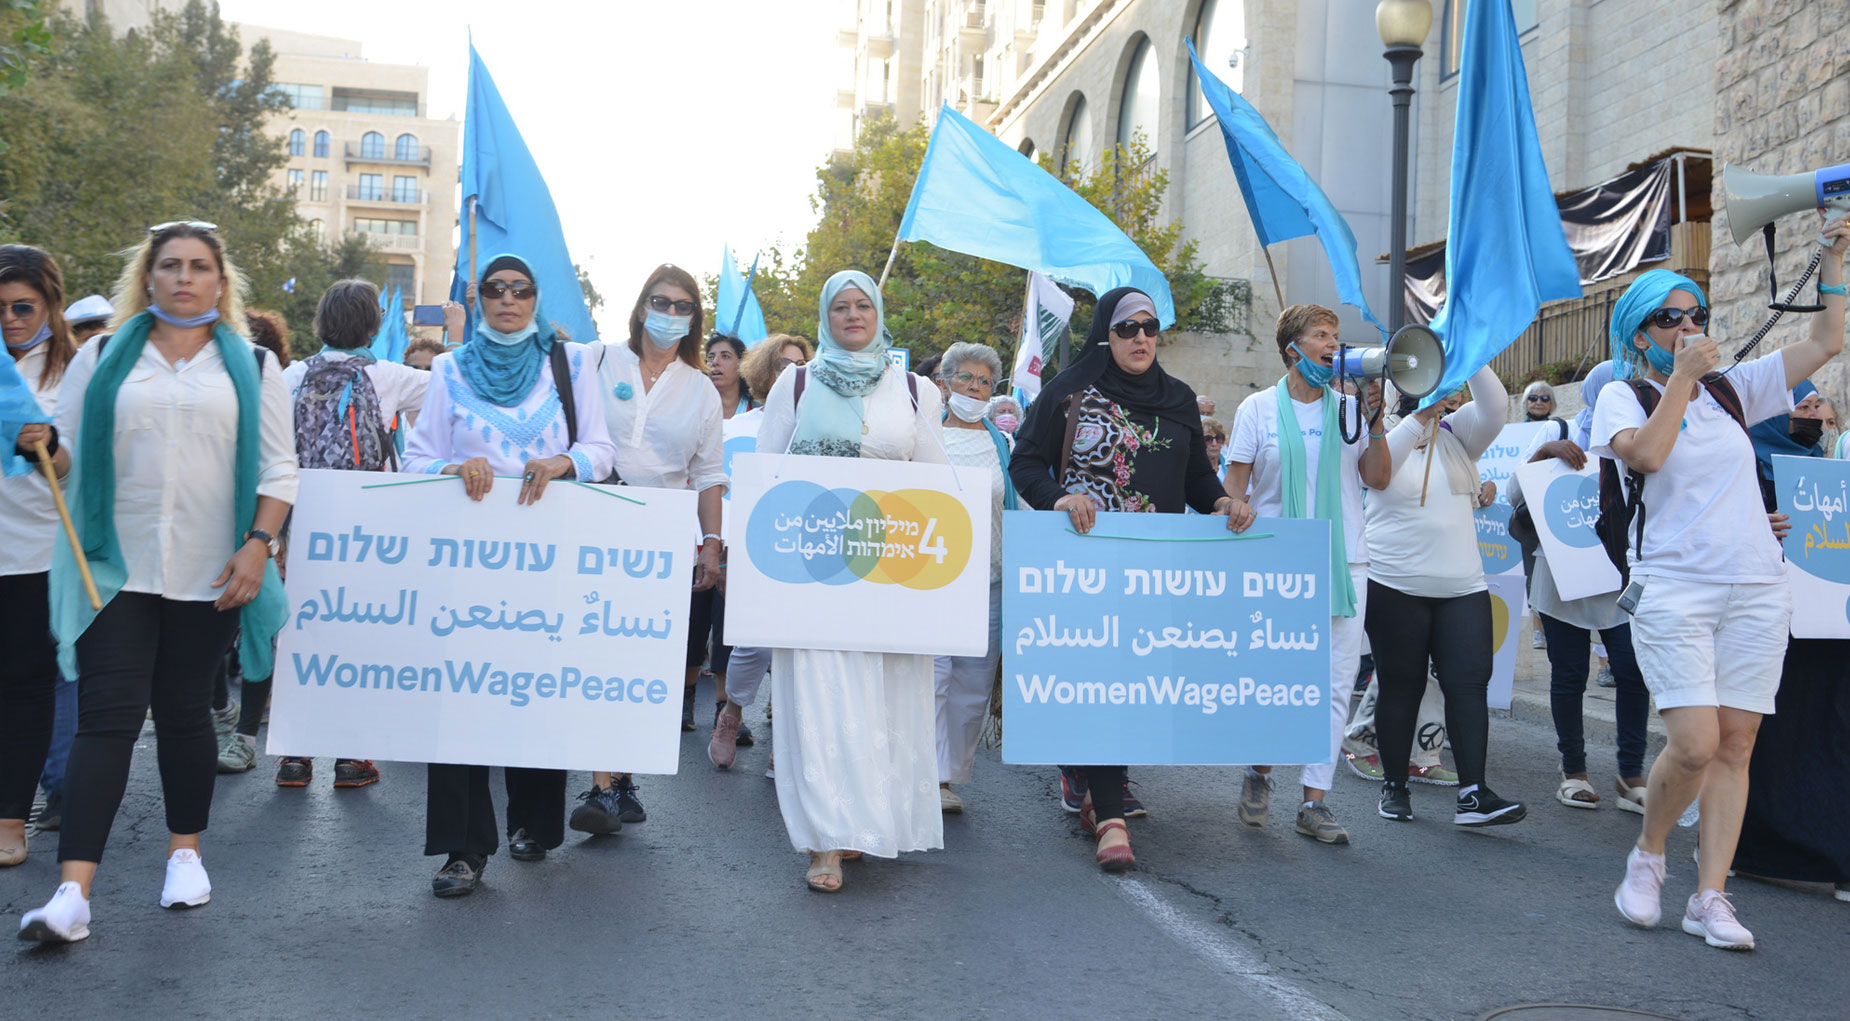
x: 337, y: 420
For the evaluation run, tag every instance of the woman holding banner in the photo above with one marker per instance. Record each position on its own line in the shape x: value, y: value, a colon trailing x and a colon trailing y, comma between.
x: 502, y: 410
x: 1114, y: 432
x: 1289, y: 458
x: 857, y: 740
x: 664, y: 417
x: 1711, y: 600
x: 183, y: 470
x: 969, y: 372
x: 1427, y: 600
x: 39, y: 344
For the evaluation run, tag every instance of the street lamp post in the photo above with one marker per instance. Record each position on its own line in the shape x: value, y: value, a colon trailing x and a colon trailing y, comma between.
x: 1403, y: 25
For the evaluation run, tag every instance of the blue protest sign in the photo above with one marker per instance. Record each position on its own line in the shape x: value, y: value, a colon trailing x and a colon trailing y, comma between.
x: 1501, y: 553
x: 1815, y: 493
x: 1159, y: 639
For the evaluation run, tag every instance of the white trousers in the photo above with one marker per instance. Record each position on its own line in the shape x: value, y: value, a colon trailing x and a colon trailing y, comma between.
x: 745, y: 673
x: 1346, y: 637
x: 963, y: 685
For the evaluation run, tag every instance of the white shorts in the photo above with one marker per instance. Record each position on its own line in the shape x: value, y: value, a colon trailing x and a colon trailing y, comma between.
x: 1711, y: 644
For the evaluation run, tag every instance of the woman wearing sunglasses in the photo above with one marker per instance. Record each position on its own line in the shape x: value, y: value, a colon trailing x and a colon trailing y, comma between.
x: 1712, y: 604
x: 182, y: 471
x: 664, y: 417
x: 31, y: 295
x: 500, y: 411
x: 1136, y: 445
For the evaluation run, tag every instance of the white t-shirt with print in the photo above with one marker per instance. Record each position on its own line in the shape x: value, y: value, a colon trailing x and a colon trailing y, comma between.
x: 1255, y: 442
x: 1704, y: 520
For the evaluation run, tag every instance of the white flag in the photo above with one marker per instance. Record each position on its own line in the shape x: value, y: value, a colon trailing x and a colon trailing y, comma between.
x: 1043, y: 324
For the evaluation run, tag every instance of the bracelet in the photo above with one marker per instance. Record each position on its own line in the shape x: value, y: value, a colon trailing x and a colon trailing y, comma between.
x: 711, y: 535
x: 1824, y: 288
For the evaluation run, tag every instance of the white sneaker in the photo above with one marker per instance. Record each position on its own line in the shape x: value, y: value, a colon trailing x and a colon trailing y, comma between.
x: 1711, y: 916
x: 949, y: 802
x: 187, y: 885
x: 65, y: 918
x: 1640, y: 897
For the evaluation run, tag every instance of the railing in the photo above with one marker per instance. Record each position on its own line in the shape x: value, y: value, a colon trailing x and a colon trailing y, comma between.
x: 418, y: 157
x: 411, y: 242
x: 361, y: 193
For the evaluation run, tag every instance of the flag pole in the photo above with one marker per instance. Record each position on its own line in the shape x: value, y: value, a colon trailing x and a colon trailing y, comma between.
x: 1021, y: 335
x: 70, y: 529
x: 739, y: 316
x: 894, y: 254
x: 1270, y: 268
x: 471, y: 278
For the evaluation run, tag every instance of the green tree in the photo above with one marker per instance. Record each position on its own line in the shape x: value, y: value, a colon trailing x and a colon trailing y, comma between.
x: 313, y: 268
x: 594, y: 299
x: 25, y: 38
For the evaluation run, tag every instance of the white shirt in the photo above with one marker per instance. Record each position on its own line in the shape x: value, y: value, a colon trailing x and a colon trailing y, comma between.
x: 895, y: 432
x: 458, y: 424
x: 1431, y: 551
x: 1255, y: 442
x: 176, y: 448
x: 668, y: 436
x: 975, y: 448
x: 400, y: 387
x: 28, y: 518
x: 1703, y: 516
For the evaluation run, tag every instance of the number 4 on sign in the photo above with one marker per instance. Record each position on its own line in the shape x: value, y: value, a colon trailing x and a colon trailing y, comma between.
x: 927, y: 546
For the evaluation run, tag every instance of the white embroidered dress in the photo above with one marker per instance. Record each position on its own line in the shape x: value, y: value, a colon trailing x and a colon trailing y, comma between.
x: 458, y: 424
x: 856, y: 736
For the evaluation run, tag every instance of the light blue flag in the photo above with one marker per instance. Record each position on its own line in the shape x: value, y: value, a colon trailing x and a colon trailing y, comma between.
x: 1281, y: 198
x: 978, y: 196
x: 736, y: 312
x: 1504, y: 253
x: 513, y: 211
x: 389, y: 343
x: 17, y: 408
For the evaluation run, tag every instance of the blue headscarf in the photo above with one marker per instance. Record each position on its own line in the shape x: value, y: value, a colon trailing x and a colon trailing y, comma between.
x: 831, y: 417
x: 1644, y: 296
x: 1773, y: 436
x: 504, y: 374
x: 1590, y: 387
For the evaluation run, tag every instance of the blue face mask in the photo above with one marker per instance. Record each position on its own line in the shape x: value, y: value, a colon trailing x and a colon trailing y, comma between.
x: 519, y: 336
x: 664, y: 330
x: 1315, y: 373
x: 1659, y: 359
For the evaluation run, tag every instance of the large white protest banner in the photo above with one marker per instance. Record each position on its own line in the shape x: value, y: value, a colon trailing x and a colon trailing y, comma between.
x: 427, y: 627
x: 858, y: 555
x: 1564, y: 504
x: 1500, y: 553
x: 1815, y: 493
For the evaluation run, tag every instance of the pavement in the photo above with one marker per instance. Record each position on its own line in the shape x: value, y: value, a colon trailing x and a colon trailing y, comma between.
x: 1529, y: 704
x: 321, y: 908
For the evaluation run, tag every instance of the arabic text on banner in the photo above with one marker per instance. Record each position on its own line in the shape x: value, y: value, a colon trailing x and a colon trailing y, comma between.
x: 1500, y: 552
x: 1128, y: 646
x: 1815, y: 493
x: 1564, y: 504
x: 426, y: 627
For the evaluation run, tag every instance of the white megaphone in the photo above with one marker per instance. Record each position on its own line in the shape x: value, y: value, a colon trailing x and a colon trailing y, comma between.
x: 1755, y: 200
x: 1413, y: 360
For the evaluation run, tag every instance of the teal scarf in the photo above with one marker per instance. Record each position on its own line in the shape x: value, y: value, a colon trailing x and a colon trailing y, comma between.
x: 92, y: 485
x: 832, y: 417
x: 1295, y: 482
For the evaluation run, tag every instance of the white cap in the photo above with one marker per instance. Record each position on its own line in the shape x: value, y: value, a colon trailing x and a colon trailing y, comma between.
x: 94, y: 307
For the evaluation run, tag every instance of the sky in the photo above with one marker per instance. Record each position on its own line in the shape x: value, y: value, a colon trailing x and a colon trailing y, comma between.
x: 665, y: 130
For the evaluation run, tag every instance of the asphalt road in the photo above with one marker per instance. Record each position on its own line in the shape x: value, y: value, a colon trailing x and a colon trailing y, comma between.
x: 321, y: 908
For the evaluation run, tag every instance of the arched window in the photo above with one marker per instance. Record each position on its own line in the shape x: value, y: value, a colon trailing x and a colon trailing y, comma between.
x: 1138, y: 109
x: 1026, y: 148
x: 319, y: 228
x: 1220, y: 39
x: 406, y: 148
x: 321, y: 144
x: 298, y: 143
x: 1076, y: 144
x: 372, y: 146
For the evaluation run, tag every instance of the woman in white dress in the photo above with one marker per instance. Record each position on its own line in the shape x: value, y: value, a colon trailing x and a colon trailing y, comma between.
x: 855, y: 729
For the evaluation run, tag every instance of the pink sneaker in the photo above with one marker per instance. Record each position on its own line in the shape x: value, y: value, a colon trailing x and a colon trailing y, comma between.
x: 1711, y: 916
x: 724, y: 748
x: 1639, y: 898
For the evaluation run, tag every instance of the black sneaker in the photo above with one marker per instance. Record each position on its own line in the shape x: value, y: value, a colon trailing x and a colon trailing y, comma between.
x: 459, y: 876
x: 687, y: 712
x: 521, y: 847
x: 295, y: 772
x: 1482, y: 807
x: 52, y: 815
x: 629, y: 806
x: 1396, y: 802
x: 598, y: 814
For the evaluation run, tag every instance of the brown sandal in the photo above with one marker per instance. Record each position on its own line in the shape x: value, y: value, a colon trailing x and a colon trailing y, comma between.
x: 1118, y: 858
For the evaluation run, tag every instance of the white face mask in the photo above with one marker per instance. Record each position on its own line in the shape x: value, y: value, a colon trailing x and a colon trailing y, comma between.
x: 968, y: 408
x: 664, y: 330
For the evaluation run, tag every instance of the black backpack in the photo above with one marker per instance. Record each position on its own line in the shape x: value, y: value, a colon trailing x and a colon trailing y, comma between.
x: 1617, y: 507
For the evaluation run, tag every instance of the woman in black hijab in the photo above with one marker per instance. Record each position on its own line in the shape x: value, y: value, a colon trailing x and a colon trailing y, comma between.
x: 1114, y: 432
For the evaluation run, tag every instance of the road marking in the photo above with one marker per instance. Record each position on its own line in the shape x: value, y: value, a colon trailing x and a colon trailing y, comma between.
x: 1224, y: 953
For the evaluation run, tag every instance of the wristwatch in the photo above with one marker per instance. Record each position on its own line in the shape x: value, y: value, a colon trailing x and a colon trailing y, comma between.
x: 262, y: 536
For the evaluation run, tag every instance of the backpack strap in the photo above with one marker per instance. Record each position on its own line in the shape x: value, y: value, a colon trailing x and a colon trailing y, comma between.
x: 562, y: 383
x: 796, y: 400
x: 1072, y: 433
x: 1634, y: 480
x: 1727, y: 396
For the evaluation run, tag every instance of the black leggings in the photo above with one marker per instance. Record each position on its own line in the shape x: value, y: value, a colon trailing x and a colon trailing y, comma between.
x: 707, y: 617
x: 1107, y: 786
x: 1406, y: 633
x: 143, y: 651
x: 459, y: 812
x: 28, y: 688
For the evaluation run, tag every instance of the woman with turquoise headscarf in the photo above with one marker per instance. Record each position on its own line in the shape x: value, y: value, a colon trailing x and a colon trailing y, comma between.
x: 183, y: 470
x: 856, y: 747
x: 495, y: 408
x: 1713, y: 605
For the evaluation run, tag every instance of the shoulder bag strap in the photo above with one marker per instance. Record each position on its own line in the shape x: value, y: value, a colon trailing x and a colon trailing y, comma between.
x: 562, y: 383
x: 1072, y: 431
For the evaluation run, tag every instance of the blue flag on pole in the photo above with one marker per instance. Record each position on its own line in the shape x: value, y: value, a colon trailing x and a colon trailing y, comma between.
x: 736, y: 312
x: 1505, y: 253
x: 513, y: 211
x: 978, y: 196
x: 1281, y: 198
x: 390, y: 342
x: 17, y: 407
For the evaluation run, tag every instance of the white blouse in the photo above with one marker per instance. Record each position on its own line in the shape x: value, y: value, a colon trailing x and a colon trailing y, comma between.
x: 176, y: 447
x: 669, y: 436
x: 458, y: 424
x: 28, y: 518
x: 975, y: 448
x: 895, y: 430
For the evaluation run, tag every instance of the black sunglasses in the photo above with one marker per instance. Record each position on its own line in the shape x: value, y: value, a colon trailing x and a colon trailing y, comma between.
x: 522, y: 292
x: 1668, y: 318
x: 663, y: 304
x: 1537, y: 398
x: 21, y: 309
x: 1129, y: 327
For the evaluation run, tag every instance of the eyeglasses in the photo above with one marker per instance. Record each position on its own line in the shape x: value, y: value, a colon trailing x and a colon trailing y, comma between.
x: 521, y: 292
x: 171, y: 224
x: 662, y: 304
x: 21, y: 309
x: 1538, y: 398
x: 1129, y: 327
x: 1216, y: 439
x: 1668, y: 318
x: 967, y: 378
x: 784, y: 363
